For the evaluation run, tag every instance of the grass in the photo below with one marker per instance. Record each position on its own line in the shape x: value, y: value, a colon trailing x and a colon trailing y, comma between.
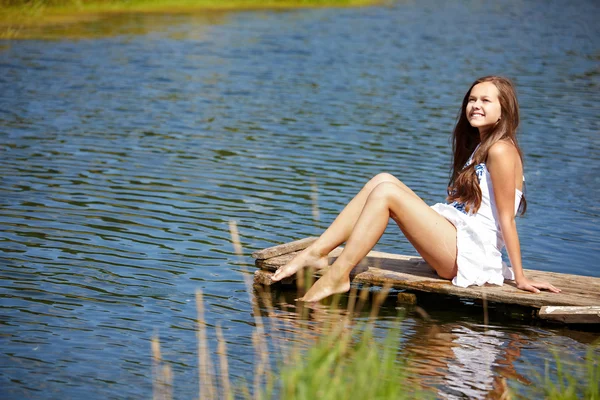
x: 28, y: 18
x: 345, y: 361
x: 570, y: 379
x: 347, y: 365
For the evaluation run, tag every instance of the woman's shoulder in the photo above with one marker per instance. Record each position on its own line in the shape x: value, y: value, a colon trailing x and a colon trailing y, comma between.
x: 504, y: 150
x: 504, y: 158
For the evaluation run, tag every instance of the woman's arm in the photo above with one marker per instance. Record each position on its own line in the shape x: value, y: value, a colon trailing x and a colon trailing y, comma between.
x: 503, y: 160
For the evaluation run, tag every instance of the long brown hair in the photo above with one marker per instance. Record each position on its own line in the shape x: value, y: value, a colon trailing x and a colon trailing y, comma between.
x: 464, y: 184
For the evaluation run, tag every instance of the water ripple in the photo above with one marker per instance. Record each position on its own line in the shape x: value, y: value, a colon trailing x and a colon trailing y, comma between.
x: 123, y: 158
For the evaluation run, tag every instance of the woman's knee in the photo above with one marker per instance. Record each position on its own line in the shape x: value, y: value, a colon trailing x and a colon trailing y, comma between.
x: 382, y: 177
x: 394, y: 197
x: 386, y: 190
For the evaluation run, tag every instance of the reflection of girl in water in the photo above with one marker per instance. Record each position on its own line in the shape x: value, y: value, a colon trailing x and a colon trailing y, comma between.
x: 461, y: 240
x: 461, y: 362
x: 471, y: 371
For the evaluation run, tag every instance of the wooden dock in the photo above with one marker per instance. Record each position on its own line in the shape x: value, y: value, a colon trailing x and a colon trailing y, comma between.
x: 579, y: 301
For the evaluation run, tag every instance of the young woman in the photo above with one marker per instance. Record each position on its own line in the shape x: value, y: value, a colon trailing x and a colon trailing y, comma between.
x: 461, y: 240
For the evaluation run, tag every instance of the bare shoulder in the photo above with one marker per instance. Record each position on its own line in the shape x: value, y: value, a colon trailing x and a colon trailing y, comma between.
x: 503, y: 151
x: 504, y: 163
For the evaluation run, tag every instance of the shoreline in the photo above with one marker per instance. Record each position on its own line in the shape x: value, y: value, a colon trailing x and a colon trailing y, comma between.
x: 29, y: 21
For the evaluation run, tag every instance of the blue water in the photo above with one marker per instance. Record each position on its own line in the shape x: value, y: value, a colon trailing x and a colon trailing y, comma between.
x: 127, y: 145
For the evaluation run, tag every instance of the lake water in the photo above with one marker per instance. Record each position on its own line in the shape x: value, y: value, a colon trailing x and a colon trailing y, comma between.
x: 129, y: 143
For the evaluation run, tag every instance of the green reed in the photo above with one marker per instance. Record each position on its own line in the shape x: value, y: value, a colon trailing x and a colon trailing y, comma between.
x: 569, y: 379
x: 344, y: 360
x: 347, y: 365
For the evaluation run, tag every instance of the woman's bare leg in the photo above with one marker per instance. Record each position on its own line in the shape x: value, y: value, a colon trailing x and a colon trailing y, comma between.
x: 315, y: 255
x: 431, y: 234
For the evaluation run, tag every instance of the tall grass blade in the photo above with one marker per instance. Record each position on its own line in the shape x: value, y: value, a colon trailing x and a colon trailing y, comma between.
x: 314, y: 196
x: 226, y: 393
x: 162, y: 378
x: 205, y: 379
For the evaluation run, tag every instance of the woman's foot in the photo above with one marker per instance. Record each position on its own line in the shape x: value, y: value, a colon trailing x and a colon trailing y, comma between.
x: 307, y: 258
x: 327, y: 285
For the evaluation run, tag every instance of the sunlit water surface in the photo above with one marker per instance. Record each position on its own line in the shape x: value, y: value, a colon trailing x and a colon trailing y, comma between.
x: 127, y: 148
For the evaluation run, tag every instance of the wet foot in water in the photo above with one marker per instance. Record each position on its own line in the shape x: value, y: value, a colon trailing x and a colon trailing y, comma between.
x: 326, y: 286
x: 307, y: 258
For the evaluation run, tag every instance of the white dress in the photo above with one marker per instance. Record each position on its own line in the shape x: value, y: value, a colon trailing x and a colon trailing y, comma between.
x: 479, y: 238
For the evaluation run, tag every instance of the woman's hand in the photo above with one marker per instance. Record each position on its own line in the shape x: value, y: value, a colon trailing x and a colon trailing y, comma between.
x: 533, y: 286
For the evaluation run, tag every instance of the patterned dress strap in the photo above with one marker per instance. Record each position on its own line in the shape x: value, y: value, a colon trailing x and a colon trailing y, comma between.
x: 470, y: 160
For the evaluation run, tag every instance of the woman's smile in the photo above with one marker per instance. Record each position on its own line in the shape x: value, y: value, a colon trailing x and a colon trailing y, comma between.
x: 483, y: 109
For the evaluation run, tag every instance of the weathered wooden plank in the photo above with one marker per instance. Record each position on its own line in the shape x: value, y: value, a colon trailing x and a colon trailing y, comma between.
x: 414, y: 273
x: 283, y: 248
x: 571, y: 315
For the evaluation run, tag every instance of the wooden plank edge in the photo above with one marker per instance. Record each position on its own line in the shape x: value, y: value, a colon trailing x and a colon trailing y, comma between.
x: 263, y: 277
x: 284, y: 248
x: 443, y: 287
x: 571, y: 314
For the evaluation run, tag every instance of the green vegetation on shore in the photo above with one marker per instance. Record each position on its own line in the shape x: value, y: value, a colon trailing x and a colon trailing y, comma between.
x: 349, y: 364
x: 19, y: 17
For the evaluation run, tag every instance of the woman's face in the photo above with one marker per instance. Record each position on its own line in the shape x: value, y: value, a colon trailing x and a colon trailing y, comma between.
x: 483, y: 108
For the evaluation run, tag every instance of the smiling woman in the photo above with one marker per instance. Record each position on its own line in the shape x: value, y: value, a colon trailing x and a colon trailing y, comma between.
x: 461, y: 240
x: 483, y: 109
